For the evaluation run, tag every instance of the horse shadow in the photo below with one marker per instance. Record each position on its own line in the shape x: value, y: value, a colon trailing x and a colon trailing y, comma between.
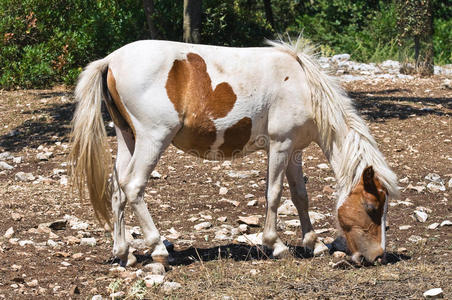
x: 242, y: 252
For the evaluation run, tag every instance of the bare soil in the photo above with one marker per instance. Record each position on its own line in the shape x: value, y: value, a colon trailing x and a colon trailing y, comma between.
x: 410, y: 119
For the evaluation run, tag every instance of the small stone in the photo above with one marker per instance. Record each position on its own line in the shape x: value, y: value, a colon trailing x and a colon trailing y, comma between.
x: 65, y: 263
x: 128, y: 275
x: 446, y: 223
x: 77, y: 256
x: 449, y: 183
x: 252, y: 203
x: 404, y: 180
x: 222, y: 219
x: 420, y: 216
x: 250, y: 220
x: 5, y: 166
x: 402, y: 249
x: 416, y: 239
x: 328, y: 240
x: 33, y: 283
x: 16, y: 216
x: 233, y: 202
x: 287, y: 209
x: 153, y: 280
x: 97, y: 297
x: 404, y: 227
x: 316, y: 216
x: 21, y: 176
x: 156, y: 175
x: 44, y: 155
x: 251, y: 239
x: 57, y: 225
x: 155, y: 268
x: 433, y: 226
x: 203, y: 225
x: 52, y: 243
x: 243, y: 228
x: 323, y: 166
x: 5, y: 155
x: 88, y: 242
x: 292, y: 223
x: 23, y: 243
x: 436, y: 187
x: 434, y: 178
x: 9, y: 233
x: 320, y: 248
x: 72, y: 240
x: 170, y: 286
x: 434, y: 293
x: 223, y: 190
x: 222, y: 235
x: 117, y: 295
x: 339, y: 254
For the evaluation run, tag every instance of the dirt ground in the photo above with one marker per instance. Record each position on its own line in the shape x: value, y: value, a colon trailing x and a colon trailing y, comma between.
x: 410, y: 119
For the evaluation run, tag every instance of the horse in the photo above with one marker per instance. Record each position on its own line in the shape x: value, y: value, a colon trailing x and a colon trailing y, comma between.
x: 220, y: 103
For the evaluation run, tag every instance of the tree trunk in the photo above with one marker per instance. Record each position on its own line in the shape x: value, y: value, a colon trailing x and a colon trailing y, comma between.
x: 192, y: 21
x: 269, y: 13
x: 148, y: 6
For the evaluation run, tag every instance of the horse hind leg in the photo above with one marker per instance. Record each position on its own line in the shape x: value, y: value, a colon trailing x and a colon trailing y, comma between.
x: 133, y: 182
x: 124, y: 154
x: 294, y: 174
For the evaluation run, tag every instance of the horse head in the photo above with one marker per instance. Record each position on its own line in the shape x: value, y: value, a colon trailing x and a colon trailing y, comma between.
x: 362, y: 218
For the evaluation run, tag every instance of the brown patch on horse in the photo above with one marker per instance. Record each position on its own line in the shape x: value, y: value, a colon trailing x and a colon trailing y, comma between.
x: 360, y: 215
x: 287, y: 78
x: 119, y: 106
x: 236, y: 137
x: 189, y: 88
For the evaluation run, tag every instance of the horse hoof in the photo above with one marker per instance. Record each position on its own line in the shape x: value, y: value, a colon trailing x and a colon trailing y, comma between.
x: 130, y: 261
x: 163, y: 259
x: 281, y: 251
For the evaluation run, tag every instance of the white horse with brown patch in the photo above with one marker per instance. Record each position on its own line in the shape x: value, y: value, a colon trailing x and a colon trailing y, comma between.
x: 220, y: 103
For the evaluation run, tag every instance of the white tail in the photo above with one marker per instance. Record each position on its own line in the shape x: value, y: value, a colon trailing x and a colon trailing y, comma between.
x: 89, y: 158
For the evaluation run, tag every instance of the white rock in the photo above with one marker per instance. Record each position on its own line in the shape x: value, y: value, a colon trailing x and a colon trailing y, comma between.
x: 252, y: 203
x: 316, y: 216
x: 65, y: 263
x: 156, y: 174
x: 9, y: 233
x: 243, y: 228
x: 153, y: 279
x: 320, y: 248
x: 340, y: 57
x: 88, y: 242
x: 17, y: 160
x: 433, y: 293
x: 21, y: 176
x: 97, y: 297
x: 416, y: 239
x: 446, y: 223
x: 222, y: 219
x: 5, y: 155
x: 436, y: 187
x: 390, y: 64
x: 433, y: 177
x: 433, y: 226
x: 25, y: 242
x: 242, y: 174
x: 155, y: 268
x: 5, y: 166
x: 247, y: 196
x: 170, y: 286
x: 251, y: 239
x: 287, y: 208
x: 323, y: 166
x: 52, y: 243
x: 420, y: 216
x: 223, y: 190
x: 249, y: 220
x: 404, y: 227
x: 44, y: 155
x: 404, y: 180
x: 292, y: 223
x: 78, y: 225
x: 449, y: 183
x: 222, y: 235
x: 203, y: 225
x: 64, y: 180
x: 120, y: 294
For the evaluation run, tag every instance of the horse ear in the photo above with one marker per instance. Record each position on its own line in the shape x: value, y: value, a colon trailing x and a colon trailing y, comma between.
x: 368, y: 180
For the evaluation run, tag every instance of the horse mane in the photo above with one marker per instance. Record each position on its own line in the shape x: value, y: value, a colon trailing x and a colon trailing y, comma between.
x: 344, y: 136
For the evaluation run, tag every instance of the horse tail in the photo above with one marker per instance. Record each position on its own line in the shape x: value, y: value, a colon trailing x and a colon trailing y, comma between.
x: 89, y: 159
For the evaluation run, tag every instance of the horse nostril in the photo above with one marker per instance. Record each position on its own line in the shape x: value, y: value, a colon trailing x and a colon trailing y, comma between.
x: 387, y: 228
x: 381, y: 259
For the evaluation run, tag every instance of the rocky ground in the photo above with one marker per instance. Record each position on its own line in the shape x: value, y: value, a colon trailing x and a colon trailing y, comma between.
x: 212, y: 213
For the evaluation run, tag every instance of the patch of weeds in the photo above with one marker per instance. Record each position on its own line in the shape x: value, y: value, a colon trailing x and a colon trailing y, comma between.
x: 115, y: 286
x: 138, y: 290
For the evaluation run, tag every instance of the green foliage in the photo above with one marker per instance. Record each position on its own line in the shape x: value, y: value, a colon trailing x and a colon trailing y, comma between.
x: 46, y: 42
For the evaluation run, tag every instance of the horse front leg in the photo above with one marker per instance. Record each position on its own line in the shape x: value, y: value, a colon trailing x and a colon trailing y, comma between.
x: 294, y: 174
x: 277, y: 161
